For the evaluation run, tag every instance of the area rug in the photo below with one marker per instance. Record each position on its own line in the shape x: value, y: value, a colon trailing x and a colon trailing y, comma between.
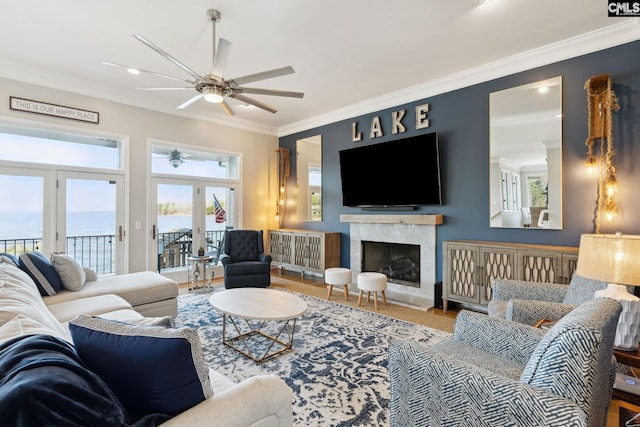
x: 337, y: 367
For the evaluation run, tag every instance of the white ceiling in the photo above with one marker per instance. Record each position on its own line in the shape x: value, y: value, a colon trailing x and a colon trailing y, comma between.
x: 350, y: 57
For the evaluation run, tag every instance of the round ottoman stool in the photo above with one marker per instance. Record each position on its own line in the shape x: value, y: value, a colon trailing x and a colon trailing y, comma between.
x: 372, y: 282
x: 337, y: 276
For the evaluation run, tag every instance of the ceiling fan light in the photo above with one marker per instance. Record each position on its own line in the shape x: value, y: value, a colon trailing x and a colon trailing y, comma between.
x: 212, y: 94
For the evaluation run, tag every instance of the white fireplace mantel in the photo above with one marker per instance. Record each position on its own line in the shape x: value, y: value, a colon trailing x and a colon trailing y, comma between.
x: 422, y: 219
x: 407, y: 229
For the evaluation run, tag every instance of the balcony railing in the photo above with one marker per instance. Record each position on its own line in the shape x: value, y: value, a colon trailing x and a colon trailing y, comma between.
x: 96, y: 252
x: 99, y: 252
x: 175, y: 247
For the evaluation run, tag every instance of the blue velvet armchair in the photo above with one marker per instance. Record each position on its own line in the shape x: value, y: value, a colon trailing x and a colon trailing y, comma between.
x: 244, y: 261
x: 496, y: 372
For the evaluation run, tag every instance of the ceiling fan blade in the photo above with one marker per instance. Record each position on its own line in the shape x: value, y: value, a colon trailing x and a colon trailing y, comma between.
x: 190, y: 101
x: 261, y: 76
x: 221, y: 58
x: 166, y: 76
x: 253, y: 102
x: 167, y: 56
x: 227, y: 108
x: 165, y: 88
x: 258, y: 91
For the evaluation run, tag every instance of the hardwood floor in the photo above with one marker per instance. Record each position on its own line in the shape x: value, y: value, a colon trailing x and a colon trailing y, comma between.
x: 314, y: 286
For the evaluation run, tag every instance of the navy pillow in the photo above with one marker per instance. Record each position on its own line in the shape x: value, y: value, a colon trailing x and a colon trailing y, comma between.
x: 40, y: 269
x: 149, y: 369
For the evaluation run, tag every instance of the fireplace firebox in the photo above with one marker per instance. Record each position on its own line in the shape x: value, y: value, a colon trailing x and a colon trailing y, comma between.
x: 400, y: 262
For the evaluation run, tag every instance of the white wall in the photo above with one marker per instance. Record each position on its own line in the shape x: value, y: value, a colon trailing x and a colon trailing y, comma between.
x: 258, y: 161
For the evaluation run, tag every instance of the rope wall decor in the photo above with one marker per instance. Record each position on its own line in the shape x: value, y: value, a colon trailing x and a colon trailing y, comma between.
x: 284, y: 171
x: 601, y: 102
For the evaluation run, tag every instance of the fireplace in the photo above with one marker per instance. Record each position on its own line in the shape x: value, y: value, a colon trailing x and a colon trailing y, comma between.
x: 400, y: 262
x: 411, y: 230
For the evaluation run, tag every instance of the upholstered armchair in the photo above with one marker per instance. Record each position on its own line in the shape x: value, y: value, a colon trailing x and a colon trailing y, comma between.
x: 529, y: 302
x: 244, y: 261
x: 495, y: 372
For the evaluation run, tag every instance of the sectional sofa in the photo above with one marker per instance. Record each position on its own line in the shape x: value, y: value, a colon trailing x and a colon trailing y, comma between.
x: 103, y: 324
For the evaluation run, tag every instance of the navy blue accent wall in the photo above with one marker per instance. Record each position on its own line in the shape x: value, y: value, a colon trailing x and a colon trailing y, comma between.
x: 461, y: 119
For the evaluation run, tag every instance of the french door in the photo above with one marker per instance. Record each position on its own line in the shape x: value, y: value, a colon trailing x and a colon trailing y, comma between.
x: 186, y: 215
x: 90, y: 220
x: 81, y: 214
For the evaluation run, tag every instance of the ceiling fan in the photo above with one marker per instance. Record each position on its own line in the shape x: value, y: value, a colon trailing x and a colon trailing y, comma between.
x: 213, y: 87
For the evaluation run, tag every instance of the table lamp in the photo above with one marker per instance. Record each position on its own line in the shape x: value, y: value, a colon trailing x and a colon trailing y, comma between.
x: 615, y: 259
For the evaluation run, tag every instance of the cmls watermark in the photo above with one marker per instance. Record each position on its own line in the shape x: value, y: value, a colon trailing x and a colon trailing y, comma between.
x: 624, y: 8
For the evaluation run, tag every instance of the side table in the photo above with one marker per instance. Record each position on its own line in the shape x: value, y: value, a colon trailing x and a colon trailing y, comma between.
x: 632, y: 359
x: 197, y: 276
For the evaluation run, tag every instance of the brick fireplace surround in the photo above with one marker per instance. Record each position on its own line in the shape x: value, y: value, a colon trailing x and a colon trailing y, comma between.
x: 409, y: 229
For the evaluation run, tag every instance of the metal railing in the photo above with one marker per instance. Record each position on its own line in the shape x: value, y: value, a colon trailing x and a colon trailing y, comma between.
x: 174, y: 247
x: 99, y: 252
x: 95, y: 252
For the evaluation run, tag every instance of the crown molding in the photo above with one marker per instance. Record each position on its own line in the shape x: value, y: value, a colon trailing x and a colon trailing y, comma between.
x: 611, y: 36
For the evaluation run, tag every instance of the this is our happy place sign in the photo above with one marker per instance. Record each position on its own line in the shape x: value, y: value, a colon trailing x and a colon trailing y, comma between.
x: 53, y: 110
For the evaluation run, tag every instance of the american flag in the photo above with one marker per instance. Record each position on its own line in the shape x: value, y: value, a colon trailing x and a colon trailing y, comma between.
x: 221, y: 215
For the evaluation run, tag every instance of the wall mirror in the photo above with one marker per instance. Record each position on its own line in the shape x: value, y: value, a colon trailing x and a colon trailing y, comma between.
x: 309, y: 178
x: 525, y: 149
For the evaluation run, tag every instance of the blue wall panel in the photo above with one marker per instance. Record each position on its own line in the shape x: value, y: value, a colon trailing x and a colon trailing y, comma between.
x: 461, y: 119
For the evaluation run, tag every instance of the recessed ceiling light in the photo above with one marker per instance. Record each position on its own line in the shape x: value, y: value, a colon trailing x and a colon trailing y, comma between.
x: 133, y: 71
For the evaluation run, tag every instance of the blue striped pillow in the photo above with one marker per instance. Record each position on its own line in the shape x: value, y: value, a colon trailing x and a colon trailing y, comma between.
x: 40, y: 269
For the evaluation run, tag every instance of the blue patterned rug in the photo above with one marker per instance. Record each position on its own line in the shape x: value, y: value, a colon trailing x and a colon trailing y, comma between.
x: 337, y: 368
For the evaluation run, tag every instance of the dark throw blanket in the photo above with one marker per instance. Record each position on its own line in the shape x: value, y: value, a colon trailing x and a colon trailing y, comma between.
x: 43, y: 382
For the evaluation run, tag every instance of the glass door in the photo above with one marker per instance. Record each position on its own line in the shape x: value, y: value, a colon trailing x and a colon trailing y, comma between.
x: 188, y: 216
x: 90, y: 225
x: 25, y: 224
x: 173, y: 227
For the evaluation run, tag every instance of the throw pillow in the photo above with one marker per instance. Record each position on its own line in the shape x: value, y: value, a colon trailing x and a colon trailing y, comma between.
x: 71, y: 273
x: 9, y: 258
x: 150, y: 369
x: 39, y: 268
x: 92, y: 276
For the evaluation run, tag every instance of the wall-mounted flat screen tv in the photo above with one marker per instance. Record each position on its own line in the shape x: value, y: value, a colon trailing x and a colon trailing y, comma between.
x: 403, y: 172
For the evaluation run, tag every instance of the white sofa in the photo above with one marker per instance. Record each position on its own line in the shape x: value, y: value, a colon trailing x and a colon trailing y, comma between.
x: 258, y: 401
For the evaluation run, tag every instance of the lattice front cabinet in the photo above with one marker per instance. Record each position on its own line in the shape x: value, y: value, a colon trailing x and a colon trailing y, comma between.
x: 470, y: 267
x: 304, y: 250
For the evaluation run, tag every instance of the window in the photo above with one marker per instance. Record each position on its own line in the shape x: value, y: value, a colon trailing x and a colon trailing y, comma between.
x: 537, y: 188
x: 515, y: 191
x: 173, y: 160
x: 52, y: 147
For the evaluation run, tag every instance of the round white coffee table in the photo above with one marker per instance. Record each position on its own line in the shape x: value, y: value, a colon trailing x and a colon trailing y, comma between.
x: 251, y: 308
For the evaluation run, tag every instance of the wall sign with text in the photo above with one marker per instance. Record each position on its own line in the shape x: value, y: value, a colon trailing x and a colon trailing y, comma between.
x: 53, y: 110
x: 397, y: 126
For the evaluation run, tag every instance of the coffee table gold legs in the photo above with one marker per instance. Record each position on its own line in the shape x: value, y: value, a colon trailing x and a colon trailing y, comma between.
x: 241, y: 338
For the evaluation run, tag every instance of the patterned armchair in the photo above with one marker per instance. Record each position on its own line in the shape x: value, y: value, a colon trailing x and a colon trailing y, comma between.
x: 528, y: 302
x: 495, y: 372
x: 245, y: 264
